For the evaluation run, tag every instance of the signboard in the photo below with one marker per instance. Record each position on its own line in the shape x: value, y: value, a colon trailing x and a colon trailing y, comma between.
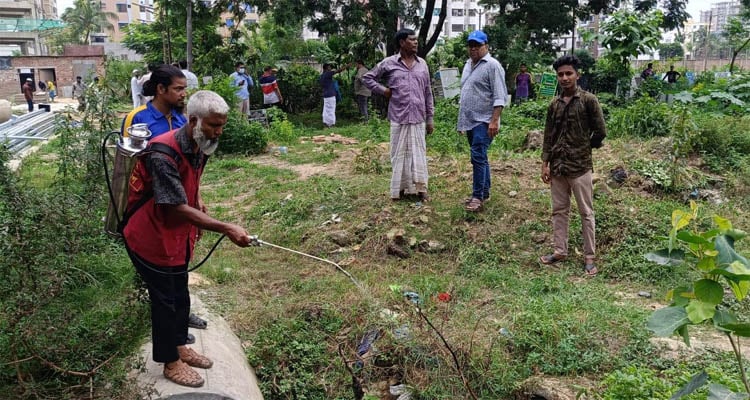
x: 548, y: 85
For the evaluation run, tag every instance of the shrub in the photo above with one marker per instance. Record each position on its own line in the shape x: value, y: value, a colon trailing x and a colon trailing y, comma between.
x: 241, y: 136
x: 645, y: 118
x: 298, y: 84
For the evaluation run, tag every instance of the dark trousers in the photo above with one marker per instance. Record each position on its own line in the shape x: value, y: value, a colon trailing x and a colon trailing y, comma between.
x: 170, y: 307
x: 480, y: 141
x: 362, y: 104
x: 31, y: 105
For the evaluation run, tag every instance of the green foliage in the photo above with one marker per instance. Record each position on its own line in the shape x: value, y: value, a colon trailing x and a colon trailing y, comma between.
x: 222, y: 84
x: 281, y: 130
x: 445, y: 138
x: 291, y: 356
x: 608, y: 74
x: 712, y: 255
x: 241, y: 136
x: 671, y: 50
x: 118, y: 73
x: 85, y: 18
x: 299, y: 85
x: 628, y: 34
x: 67, y: 300
x: 645, y: 118
x: 724, y: 141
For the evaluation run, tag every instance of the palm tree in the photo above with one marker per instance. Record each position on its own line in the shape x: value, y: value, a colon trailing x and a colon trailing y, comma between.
x: 87, y: 17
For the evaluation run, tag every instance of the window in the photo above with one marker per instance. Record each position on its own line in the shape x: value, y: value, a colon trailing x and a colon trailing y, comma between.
x: 249, y: 22
x: 471, y: 27
x: 122, y: 25
x: 229, y: 22
x: 122, y: 8
x: 436, y: 11
x: 457, y: 12
x: 473, y: 12
x: 457, y: 28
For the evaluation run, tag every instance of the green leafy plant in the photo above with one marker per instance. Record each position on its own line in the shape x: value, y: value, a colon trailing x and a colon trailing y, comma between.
x: 241, y: 136
x: 712, y: 255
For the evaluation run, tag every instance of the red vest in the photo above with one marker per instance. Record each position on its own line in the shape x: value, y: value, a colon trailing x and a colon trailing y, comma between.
x: 162, y: 241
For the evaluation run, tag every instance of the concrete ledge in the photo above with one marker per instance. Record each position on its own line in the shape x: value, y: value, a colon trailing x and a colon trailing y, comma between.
x: 230, y: 378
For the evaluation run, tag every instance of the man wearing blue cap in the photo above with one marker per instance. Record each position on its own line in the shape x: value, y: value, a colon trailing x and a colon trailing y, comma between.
x: 483, y: 93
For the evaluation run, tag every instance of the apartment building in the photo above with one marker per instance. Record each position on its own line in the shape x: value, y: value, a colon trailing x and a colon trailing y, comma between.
x: 22, y: 25
x: 719, y: 14
x: 128, y: 12
x: 461, y: 16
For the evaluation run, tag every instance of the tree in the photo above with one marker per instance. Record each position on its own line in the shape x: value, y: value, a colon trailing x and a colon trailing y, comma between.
x: 367, y: 25
x: 86, y: 17
x: 670, y: 50
x: 627, y: 34
x: 737, y: 34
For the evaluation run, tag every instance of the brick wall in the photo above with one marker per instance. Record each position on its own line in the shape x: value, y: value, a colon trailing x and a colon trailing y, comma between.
x: 65, y: 69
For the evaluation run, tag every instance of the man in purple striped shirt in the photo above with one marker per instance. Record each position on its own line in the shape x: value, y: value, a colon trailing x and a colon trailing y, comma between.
x: 410, y: 110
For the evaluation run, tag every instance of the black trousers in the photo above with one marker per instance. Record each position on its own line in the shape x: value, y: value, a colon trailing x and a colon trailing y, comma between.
x: 170, y: 307
x: 31, y: 105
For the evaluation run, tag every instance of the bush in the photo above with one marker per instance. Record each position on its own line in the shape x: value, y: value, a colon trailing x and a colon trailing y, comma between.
x: 645, y: 118
x: 241, y: 136
x: 298, y: 84
x: 55, y: 255
x: 222, y: 85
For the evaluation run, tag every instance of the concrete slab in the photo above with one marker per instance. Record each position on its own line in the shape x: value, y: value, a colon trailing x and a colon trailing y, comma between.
x: 230, y: 378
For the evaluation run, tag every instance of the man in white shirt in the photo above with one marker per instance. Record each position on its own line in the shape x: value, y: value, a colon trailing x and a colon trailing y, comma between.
x: 192, y: 79
x: 135, y: 88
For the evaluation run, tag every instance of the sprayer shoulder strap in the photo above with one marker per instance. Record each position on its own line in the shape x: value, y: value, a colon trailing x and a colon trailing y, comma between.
x: 152, y: 148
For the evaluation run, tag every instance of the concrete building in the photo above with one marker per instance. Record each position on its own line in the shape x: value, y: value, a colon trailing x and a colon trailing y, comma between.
x: 461, y: 16
x: 22, y: 25
x: 128, y: 12
x: 719, y: 14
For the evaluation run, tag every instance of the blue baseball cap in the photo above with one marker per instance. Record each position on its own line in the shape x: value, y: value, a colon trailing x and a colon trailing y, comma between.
x: 477, y: 36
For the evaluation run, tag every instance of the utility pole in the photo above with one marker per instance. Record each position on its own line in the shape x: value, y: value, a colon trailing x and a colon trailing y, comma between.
x: 707, y: 46
x: 189, y: 34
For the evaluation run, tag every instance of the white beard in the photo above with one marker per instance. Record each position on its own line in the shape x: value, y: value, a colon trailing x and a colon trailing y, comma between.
x: 207, y: 146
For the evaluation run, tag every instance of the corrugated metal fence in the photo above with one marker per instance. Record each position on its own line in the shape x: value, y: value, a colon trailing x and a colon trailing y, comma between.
x: 21, y: 132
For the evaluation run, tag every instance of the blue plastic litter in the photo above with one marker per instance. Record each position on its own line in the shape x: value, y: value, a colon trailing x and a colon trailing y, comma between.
x: 413, y: 297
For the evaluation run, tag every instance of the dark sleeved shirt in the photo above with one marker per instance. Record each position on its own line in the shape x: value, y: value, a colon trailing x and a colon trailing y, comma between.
x: 166, y: 180
x: 568, y: 132
x: 326, y: 81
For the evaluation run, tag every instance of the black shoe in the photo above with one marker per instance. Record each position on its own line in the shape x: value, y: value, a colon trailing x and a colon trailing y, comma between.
x: 197, y: 322
x: 190, y: 339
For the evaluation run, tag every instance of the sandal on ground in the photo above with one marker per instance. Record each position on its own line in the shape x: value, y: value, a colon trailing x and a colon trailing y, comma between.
x: 475, y: 205
x: 550, y: 259
x: 181, y: 374
x: 193, y: 359
x: 197, y: 322
x: 424, y: 197
x: 590, y: 269
x: 469, y: 199
x: 190, y: 339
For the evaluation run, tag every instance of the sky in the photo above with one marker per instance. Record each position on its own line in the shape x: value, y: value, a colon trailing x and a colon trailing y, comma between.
x: 694, y: 7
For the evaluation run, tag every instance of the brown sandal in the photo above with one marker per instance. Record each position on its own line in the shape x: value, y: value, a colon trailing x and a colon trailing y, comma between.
x: 181, y: 374
x: 475, y: 205
x: 551, y: 259
x: 193, y: 359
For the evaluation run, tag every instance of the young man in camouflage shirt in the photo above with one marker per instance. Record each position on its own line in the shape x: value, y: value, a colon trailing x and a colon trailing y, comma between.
x: 575, y: 125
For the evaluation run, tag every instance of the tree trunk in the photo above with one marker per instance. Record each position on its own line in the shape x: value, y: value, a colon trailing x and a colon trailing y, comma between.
x: 429, y: 44
x: 189, y: 34
x: 735, y: 53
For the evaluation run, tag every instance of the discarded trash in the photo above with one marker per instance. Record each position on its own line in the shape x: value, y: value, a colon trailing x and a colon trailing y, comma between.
x: 401, y: 391
x: 444, y: 297
x: 365, y: 345
x: 505, y: 332
x: 402, y: 332
x: 644, y: 294
x: 413, y: 297
x: 277, y: 150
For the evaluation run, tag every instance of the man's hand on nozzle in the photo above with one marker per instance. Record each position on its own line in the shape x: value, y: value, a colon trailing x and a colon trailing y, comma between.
x: 238, y: 235
x: 254, y: 241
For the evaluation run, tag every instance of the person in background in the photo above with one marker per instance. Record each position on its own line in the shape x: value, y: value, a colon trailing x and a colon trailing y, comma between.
x: 270, y: 87
x: 243, y: 82
x: 523, y: 84
x: 671, y: 76
x: 28, y: 93
x: 160, y: 234
x: 135, y: 88
x: 142, y: 81
x: 52, y: 90
x: 574, y: 125
x: 648, y: 72
x: 482, y: 100
x: 192, y: 79
x: 163, y: 113
x: 79, y: 92
x: 410, y: 110
x: 328, y: 84
x: 361, y: 92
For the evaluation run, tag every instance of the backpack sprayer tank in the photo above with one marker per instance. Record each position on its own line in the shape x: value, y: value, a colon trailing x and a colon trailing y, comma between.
x: 125, y: 158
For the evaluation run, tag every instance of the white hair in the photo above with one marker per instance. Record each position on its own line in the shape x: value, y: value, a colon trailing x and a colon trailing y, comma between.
x: 203, y: 103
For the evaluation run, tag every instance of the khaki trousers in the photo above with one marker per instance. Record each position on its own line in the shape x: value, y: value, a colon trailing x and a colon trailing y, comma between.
x: 582, y: 188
